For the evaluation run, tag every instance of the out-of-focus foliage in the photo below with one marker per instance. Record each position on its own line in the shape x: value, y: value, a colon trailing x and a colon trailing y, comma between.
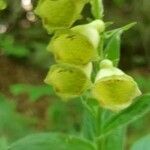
x: 3, y: 143
x: 34, y: 92
x: 3, y: 4
x: 143, y: 82
x: 142, y: 144
x: 9, y: 47
x: 21, y: 35
x: 13, y: 124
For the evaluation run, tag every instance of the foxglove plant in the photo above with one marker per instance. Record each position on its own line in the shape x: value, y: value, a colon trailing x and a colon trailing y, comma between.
x: 87, y: 58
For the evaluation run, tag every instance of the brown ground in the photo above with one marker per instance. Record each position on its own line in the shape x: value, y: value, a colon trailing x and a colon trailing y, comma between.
x: 14, y: 71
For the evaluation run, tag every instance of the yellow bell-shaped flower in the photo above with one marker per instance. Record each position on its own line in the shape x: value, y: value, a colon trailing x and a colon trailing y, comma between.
x: 57, y: 14
x: 68, y: 80
x: 78, y: 45
x: 113, y: 88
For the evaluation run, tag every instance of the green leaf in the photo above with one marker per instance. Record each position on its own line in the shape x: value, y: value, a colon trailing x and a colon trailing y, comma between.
x: 34, y: 92
x: 110, y: 33
x: 115, y: 140
x: 142, y: 144
x: 89, y: 125
x: 132, y: 113
x: 47, y: 141
x: 113, y: 43
x: 92, y: 118
x: 3, y: 144
x: 112, y: 50
x: 97, y: 8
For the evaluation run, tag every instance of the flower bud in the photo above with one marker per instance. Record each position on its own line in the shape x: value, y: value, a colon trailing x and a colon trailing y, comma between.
x: 113, y: 88
x: 2, y: 4
x: 91, y: 31
x: 67, y: 80
x: 77, y: 46
x: 57, y: 14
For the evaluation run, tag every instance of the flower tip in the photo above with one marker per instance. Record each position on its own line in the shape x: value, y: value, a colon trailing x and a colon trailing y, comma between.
x: 99, y: 25
x: 106, y: 63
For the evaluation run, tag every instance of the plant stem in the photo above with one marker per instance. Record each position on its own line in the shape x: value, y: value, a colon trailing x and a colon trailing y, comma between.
x: 98, y: 9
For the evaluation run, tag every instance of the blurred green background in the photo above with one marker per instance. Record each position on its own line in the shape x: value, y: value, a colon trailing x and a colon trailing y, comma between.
x: 27, y: 105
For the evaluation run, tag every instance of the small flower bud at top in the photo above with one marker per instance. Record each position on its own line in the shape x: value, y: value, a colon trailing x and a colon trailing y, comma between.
x: 114, y: 89
x: 106, y: 63
x: 67, y: 80
x: 57, y: 14
x: 91, y: 31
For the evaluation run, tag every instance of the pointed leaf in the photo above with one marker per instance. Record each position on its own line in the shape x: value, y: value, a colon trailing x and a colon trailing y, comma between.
x: 47, y: 141
x: 113, y: 43
x: 132, y: 113
x: 110, y: 33
x: 112, y: 50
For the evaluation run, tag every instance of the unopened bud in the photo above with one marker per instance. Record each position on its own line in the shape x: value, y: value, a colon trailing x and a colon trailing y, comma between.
x: 91, y: 31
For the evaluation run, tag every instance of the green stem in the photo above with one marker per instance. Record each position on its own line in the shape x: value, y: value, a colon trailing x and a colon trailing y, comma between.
x: 95, y: 118
x: 97, y: 9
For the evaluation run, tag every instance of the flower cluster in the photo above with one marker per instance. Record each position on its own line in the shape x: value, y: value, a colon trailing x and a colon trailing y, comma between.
x: 74, y: 49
